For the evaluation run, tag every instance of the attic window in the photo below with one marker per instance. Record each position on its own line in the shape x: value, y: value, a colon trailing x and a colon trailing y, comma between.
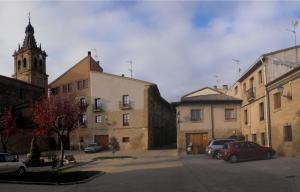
x: 19, y: 65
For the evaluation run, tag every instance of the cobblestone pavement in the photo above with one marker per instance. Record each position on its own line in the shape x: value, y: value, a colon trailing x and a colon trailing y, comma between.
x: 163, y: 170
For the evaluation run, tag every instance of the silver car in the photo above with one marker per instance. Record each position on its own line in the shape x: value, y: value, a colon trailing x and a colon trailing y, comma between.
x: 10, y: 164
x: 93, y: 147
x: 214, y: 146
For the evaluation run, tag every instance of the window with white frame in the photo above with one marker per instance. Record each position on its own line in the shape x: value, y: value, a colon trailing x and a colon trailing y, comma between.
x: 125, y: 119
x: 98, y: 103
x: 99, y: 119
x: 196, y: 115
x: 125, y: 100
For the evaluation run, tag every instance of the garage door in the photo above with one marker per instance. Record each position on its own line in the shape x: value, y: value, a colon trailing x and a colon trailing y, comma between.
x: 199, y: 142
x: 102, y: 140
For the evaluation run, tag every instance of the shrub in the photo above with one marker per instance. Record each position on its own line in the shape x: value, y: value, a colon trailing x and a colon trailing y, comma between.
x: 114, y: 144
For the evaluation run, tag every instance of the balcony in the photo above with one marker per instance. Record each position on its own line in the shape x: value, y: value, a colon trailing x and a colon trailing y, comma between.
x: 97, y: 108
x: 125, y: 106
x: 251, y: 94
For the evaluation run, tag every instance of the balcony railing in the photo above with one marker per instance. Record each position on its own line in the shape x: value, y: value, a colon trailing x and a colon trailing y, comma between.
x: 97, y: 108
x: 251, y: 94
x: 125, y: 105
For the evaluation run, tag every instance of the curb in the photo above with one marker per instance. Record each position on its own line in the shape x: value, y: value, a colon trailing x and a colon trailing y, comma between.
x: 54, y: 183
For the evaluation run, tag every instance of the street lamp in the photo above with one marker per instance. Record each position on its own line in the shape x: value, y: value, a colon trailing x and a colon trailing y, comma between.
x: 280, y: 90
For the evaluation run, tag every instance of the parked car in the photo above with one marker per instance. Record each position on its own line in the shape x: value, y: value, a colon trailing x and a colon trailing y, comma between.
x: 245, y: 150
x: 93, y: 148
x: 10, y: 164
x: 215, y: 146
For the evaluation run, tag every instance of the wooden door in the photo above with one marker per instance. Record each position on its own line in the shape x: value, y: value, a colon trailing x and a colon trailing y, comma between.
x: 199, y: 142
x: 102, y: 140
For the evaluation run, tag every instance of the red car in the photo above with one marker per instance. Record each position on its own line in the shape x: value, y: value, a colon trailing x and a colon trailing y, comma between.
x: 245, y: 150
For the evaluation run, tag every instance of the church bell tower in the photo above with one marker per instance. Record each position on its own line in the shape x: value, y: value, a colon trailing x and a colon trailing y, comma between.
x: 30, y: 61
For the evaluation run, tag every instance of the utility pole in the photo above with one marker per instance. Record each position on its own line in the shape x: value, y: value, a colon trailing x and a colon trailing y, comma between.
x: 295, y: 24
x: 130, y: 68
x: 238, y: 66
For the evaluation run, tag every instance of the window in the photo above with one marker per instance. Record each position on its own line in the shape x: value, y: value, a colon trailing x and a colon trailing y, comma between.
x: 254, y: 138
x: 35, y: 63
x: 288, y: 133
x: 195, y: 115
x: 79, y: 84
x: 251, y: 83
x: 277, y: 100
x: 261, y: 112
x: 41, y: 65
x: 230, y: 114
x: 263, y: 139
x: 55, y: 91
x: 98, y: 103
x: 24, y: 63
x: 246, y: 117
x: 82, y: 84
x: 98, y: 119
x: 82, y: 102
x: 19, y: 65
x: 125, y: 139
x: 82, y: 120
x: 244, y: 88
x: 125, y: 119
x: 67, y: 88
x: 260, y: 78
x: 85, y: 83
x: 125, y: 100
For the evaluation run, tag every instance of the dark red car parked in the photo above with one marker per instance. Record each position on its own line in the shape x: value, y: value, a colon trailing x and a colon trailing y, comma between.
x: 245, y: 150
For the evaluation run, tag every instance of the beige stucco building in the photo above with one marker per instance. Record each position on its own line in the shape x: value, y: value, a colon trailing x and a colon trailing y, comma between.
x: 255, y: 110
x: 205, y: 114
x: 129, y: 109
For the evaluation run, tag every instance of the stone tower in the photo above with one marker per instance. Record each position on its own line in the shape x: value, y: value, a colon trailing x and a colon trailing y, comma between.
x: 30, y: 61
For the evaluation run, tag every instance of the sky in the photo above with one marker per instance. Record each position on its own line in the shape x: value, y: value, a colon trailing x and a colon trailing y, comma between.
x: 180, y: 46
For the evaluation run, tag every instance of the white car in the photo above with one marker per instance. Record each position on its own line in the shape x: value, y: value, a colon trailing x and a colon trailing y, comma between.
x: 93, y: 147
x: 10, y: 164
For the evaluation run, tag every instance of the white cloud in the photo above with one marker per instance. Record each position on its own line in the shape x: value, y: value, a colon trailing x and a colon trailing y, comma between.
x: 160, y: 38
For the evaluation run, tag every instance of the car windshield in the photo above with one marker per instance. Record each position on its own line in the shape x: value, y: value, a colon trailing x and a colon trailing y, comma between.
x: 92, y: 145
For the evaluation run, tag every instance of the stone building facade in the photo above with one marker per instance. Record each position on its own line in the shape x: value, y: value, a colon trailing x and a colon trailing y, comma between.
x: 129, y: 109
x: 203, y: 115
x: 28, y: 84
x: 255, y: 110
x: 285, y: 113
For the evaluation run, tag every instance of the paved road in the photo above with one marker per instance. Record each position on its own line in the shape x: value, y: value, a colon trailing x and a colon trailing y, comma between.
x: 157, y: 171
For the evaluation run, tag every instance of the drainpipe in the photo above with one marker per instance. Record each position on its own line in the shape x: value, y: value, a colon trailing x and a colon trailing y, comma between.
x: 267, y: 101
x: 212, y: 121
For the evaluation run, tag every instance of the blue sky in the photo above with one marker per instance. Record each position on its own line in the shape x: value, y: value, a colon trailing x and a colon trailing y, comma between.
x: 180, y: 46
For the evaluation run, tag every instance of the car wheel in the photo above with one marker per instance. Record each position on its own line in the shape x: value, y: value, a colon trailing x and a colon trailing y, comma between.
x: 215, y: 155
x: 233, y: 159
x: 21, y: 171
x: 219, y: 155
x: 268, y: 155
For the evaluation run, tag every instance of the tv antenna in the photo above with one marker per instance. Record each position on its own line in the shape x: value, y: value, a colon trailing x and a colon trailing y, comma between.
x: 130, y: 68
x: 95, y: 54
x: 295, y: 24
x: 217, y: 79
x: 238, y: 66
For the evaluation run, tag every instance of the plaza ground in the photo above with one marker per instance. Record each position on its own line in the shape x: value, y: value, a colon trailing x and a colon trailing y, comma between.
x: 164, y: 170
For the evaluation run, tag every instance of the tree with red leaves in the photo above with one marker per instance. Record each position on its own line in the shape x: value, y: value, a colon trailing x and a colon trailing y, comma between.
x: 6, y: 127
x: 58, y: 115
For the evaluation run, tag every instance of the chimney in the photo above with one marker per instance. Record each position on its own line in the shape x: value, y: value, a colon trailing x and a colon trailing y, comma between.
x: 89, y: 53
x: 215, y: 87
x: 225, y: 87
